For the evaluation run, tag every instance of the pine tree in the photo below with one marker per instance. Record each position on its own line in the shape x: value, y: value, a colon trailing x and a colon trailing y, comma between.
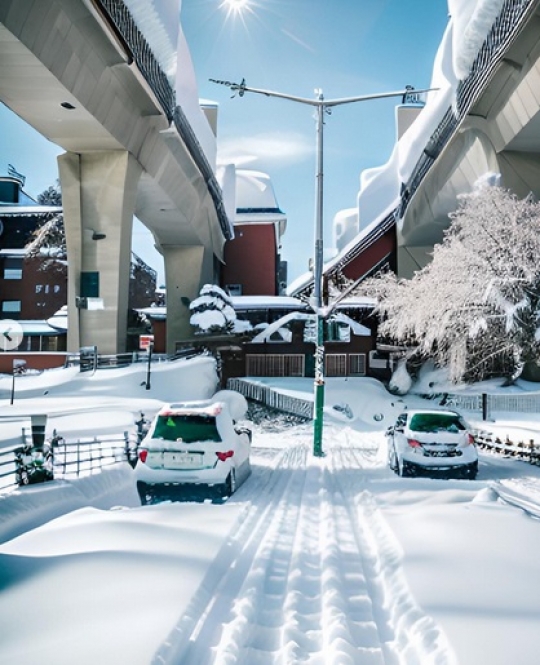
x: 213, y: 311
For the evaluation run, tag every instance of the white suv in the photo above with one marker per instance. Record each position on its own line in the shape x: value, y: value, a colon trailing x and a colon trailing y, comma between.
x: 193, y: 444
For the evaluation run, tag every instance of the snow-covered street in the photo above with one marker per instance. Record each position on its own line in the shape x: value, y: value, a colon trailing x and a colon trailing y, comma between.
x: 329, y: 561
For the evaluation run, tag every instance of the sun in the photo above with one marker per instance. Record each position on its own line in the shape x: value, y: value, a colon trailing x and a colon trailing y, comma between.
x: 236, y: 5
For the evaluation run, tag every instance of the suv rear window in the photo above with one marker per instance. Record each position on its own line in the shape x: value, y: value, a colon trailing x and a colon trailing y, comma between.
x: 187, y: 428
x: 436, y: 422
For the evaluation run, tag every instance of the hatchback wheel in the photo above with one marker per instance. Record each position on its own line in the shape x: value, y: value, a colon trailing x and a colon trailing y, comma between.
x: 230, y: 484
x: 392, y: 459
x: 471, y: 471
x: 404, y: 469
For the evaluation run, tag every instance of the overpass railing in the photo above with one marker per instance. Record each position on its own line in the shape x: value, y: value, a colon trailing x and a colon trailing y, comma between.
x: 125, y: 28
x: 137, y: 47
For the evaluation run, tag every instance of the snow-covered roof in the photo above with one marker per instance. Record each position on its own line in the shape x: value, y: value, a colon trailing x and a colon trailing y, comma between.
x: 37, y: 328
x: 267, y: 302
x: 240, y: 303
x: 14, y: 210
x: 254, y: 191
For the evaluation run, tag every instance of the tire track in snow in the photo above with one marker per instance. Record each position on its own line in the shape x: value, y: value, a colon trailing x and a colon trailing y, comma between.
x: 409, y: 636
x: 305, y: 596
x: 314, y: 577
x: 192, y: 639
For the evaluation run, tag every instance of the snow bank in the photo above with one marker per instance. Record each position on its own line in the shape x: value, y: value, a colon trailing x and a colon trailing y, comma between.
x: 32, y: 506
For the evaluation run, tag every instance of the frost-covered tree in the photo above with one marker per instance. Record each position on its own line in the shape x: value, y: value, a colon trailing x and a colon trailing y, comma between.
x: 52, y: 196
x: 49, y: 239
x: 476, y: 306
x: 213, y: 311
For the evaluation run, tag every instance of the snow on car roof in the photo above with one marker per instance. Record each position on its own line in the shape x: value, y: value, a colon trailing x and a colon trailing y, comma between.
x: 207, y: 407
x: 413, y: 412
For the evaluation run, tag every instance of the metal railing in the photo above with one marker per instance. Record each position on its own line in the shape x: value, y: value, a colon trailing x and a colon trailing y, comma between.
x: 87, y: 456
x: 28, y: 465
x: 91, y: 362
x: 513, y: 16
x: 135, y: 43
x: 9, y: 479
x: 273, y: 399
x: 489, y: 404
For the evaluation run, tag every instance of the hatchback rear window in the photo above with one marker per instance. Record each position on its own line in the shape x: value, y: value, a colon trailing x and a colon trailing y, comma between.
x: 187, y: 428
x: 436, y: 422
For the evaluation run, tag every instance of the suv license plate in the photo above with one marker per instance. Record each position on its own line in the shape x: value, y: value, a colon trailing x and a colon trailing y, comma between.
x: 182, y: 460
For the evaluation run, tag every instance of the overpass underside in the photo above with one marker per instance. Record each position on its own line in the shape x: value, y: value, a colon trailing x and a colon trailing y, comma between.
x: 497, y: 138
x: 70, y: 72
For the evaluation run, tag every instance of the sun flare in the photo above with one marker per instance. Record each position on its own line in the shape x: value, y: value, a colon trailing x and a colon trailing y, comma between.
x: 236, y: 5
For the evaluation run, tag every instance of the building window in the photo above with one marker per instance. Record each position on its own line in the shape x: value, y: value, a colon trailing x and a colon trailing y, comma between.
x: 234, y: 289
x: 335, y: 364
x: 11, y: 306
x: 357, y: 364
x: 12, y: 273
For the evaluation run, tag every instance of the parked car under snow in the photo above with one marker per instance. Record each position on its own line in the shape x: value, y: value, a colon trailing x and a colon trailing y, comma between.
x: 437, y: 442
x: 195, y: 445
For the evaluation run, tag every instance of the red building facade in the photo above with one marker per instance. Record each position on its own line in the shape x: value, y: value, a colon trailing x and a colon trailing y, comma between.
x: 253, y: 265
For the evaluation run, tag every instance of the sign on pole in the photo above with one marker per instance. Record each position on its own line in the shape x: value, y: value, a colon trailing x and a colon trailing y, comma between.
x: 145, y: 341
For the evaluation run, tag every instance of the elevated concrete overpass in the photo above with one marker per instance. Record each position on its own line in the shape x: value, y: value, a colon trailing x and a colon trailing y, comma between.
x: 82, y: 74
x: 492, y: 132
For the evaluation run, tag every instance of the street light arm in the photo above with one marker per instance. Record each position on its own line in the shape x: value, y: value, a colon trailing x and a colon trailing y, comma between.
x: 380, y: 95
x: 242, y: 88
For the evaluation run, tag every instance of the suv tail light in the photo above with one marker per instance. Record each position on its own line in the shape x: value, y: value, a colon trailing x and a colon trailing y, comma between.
x: 413, y: 443
x: 223, y: 456
x: 143, y: 454
x: 470, y: 439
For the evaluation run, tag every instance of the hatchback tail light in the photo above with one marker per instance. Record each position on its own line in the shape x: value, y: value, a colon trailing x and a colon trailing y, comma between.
x: 223, y: 456
x: 143, y: 454
x: 413, y: 443
x: 470, y: 439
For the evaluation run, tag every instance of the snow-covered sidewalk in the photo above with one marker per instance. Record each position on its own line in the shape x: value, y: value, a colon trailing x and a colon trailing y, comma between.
x: 329, y: 561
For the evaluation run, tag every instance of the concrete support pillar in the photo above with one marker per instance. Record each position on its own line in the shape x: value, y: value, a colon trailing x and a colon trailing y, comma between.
x: 187, y: 269
x: 99, y: 191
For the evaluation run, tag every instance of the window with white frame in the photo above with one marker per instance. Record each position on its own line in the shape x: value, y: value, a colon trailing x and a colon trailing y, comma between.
x: 357, y: 364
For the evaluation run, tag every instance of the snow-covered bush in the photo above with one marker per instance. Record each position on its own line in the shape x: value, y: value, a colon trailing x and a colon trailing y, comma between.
x: 401, y: 380
x: 213, y: 312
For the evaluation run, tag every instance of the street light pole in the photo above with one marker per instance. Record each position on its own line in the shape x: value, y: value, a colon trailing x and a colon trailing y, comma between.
x: 323, y: 106
x: 318, y: 387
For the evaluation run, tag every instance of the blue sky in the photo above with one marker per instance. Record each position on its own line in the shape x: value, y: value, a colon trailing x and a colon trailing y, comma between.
x: 344, y: 47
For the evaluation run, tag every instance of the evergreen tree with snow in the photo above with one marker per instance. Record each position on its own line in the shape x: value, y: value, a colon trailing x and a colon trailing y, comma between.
x: 212, y: 311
